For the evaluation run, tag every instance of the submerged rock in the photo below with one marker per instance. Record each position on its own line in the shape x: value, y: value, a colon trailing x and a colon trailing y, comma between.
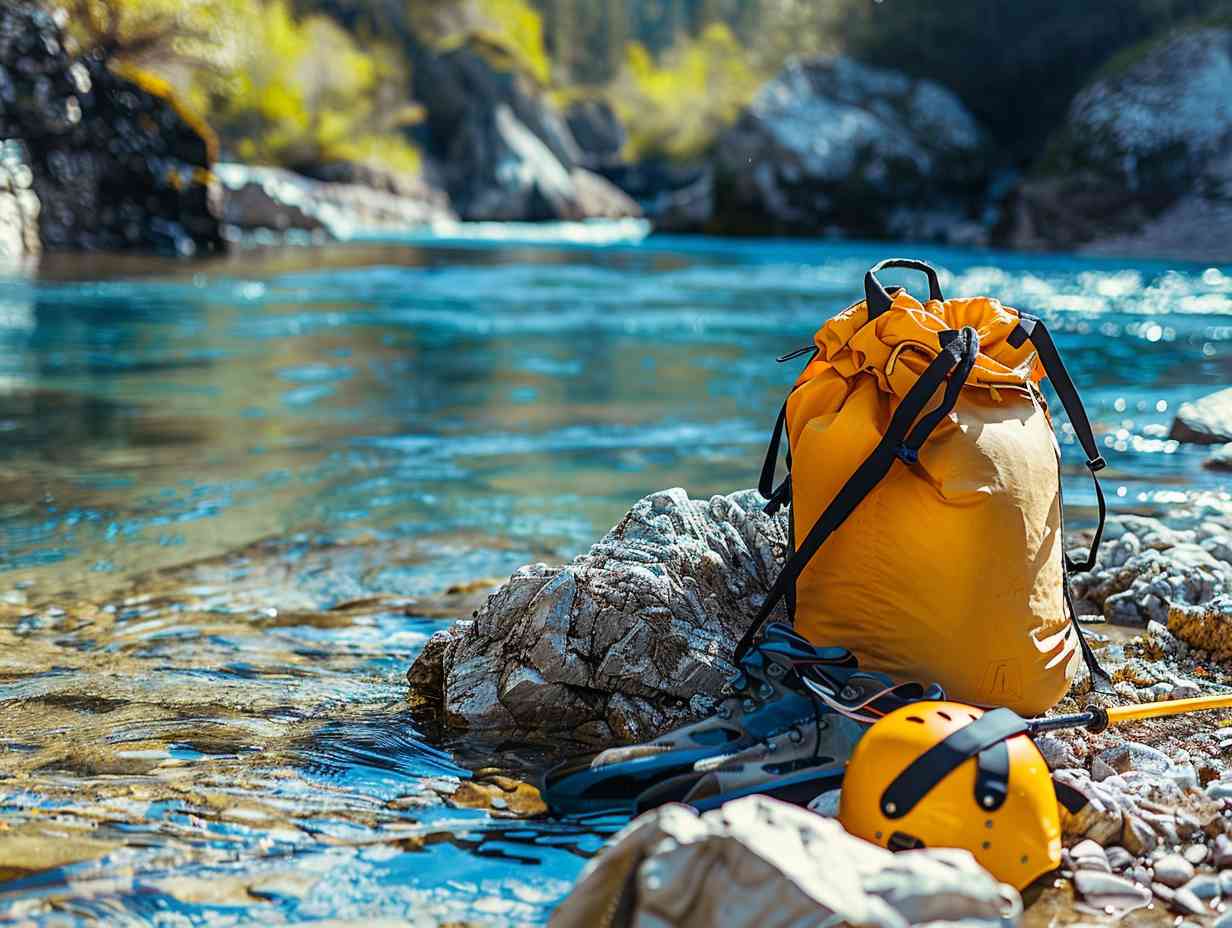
x: 832, y: 145
x: 1205, y: 421
x: 630, y: 639
x: 759, y: 863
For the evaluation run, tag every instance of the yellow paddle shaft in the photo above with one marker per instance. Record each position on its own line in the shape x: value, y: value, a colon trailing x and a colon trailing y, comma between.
x: 1154, y: 710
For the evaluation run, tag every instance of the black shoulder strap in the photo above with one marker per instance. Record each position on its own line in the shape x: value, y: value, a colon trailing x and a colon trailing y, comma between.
x: 901, y: 441
x: 1033, y: 329
x: 978, y: 738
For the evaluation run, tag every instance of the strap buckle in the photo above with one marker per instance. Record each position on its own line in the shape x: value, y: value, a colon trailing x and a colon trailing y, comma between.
x: 1096, y: 464
x: 907, y: 454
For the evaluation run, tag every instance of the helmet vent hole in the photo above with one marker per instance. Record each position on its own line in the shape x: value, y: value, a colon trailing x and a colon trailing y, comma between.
x: 944, y: 715
x: 973, y: 718
x: 916, y: 719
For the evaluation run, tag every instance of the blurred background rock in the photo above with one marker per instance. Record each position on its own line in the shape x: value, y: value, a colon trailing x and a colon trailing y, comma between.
x: 1040, y: 124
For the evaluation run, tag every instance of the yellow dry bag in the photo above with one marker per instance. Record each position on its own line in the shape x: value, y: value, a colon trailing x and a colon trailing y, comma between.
x: 924, y: 483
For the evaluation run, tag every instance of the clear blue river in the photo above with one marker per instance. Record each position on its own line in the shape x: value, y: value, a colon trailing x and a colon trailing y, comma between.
x: 238, y: 496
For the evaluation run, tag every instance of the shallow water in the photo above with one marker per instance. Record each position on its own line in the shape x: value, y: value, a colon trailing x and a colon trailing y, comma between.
x: 230, y: 741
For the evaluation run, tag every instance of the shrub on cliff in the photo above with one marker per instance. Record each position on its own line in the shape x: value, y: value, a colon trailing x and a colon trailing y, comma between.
x: 276, y: 88
x: 676, y: 107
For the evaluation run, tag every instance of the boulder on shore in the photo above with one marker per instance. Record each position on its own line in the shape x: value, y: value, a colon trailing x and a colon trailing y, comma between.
x: 833, y: 146
x: 1140, y: 165
x: 283, y: 201
x: 630, y: 639
x: 114, y: 162
x: 760, y: 863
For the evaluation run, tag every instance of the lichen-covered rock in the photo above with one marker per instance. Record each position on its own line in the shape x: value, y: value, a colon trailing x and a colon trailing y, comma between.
x: 1146, y: 568
x: 115, y: 162
x: 1207, y: 626
x: 760, y: 863
x: 1205, y: 421
x: 1143, y: 142
x: 630, y: 639
x: 1139, y: 810
x: 834, y: 146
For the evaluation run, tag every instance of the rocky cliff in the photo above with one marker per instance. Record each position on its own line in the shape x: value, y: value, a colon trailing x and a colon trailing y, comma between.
x: 111, y: 160
x: 1141, y: 165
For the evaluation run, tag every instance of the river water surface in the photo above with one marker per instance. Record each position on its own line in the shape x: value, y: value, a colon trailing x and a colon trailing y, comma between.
x: 238, y: 497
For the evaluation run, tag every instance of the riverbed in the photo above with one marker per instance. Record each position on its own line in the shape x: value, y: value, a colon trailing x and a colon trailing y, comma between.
x: 239, y: 495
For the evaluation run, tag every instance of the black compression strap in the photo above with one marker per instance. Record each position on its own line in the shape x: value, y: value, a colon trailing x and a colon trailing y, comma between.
x: 874, y: 468
x: 1029, y: 327
x: 935, y: 764
x: 765, y: 485
x: 1100, y: 681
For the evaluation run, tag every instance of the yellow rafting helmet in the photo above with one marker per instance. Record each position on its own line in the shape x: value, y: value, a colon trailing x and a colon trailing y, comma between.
x: 944, y: 774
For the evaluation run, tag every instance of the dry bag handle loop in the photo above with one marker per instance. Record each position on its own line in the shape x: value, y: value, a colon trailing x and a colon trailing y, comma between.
x: 875, y: 295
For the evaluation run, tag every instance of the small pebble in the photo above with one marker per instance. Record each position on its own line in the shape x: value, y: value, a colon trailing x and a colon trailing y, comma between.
x: 1204, y: 886
x: 1224, y: 921
x: 1196, y: 853
x: 1186, y: 902
x: 1225, y: 883
x: 1141, y: 875
x: 1173, y: 870
x: 1219, y: 789
x: 1118, y: 858
x: 1104, y: 890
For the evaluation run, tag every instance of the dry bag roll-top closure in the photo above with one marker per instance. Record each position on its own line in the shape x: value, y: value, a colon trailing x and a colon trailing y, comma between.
x: 925, y: 492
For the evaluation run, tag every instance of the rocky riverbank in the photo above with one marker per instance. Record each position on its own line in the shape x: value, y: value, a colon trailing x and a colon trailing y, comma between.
x: 635, y: 636
x: 96, y: 158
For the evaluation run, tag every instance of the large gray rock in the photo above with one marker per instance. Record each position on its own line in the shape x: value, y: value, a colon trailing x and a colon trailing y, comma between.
x: 631, y: 639
x: 283, y: 201
x: 116, y: 163
x: 834, y: 146
x: 506, y: 154
x: 1205, y: 421
x: 1140, y: 165
x: 760, y: 863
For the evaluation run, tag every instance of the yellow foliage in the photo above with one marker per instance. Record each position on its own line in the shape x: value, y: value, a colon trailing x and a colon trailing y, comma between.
x: 519, y: 28
x: 277, y: 89
x: 676, y: 108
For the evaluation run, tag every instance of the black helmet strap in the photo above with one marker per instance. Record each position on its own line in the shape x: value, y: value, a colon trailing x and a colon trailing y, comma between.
x: 984, y: 738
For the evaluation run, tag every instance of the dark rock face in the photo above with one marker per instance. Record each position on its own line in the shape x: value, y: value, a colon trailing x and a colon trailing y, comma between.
x: 831, y: 146
x: 505, y: 152
x: 114, y: 163
x: 1140, y: 166
x: 598, y: 132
